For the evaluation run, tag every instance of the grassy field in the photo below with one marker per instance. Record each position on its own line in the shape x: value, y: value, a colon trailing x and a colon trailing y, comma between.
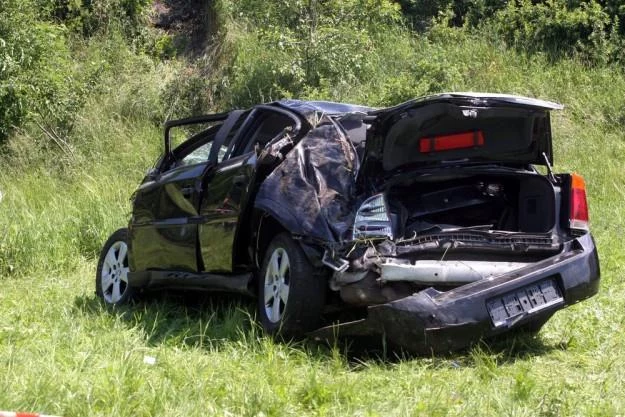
x: 62, y: 352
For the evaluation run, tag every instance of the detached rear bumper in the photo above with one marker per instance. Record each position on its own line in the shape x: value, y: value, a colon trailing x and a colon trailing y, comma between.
x: 442, y: 321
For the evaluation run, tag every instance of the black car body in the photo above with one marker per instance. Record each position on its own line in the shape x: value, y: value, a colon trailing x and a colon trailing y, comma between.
x: 429, y: 220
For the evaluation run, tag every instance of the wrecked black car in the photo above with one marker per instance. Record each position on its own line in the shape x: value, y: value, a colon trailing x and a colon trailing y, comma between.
x: 433, y: 223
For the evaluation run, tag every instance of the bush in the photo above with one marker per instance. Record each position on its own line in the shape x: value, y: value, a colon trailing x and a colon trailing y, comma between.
x: 557, y: 29
x: 46, y: 71
x: 91, y: 17
x: 34, y: 59
x: 420, y: 14
x: 593, y: 30
x: 299, y: 48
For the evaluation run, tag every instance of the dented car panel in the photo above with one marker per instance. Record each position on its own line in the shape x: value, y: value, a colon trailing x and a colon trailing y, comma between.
x: 430, y: 214
x: 321, y: 171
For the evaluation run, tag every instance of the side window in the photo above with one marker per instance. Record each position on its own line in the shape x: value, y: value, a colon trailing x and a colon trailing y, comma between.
x: 193, y: 142
x: 197, y: 156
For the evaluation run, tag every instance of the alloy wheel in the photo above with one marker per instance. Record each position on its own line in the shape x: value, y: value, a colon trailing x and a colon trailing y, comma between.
x: 277, y: 280
x: 115, y: 272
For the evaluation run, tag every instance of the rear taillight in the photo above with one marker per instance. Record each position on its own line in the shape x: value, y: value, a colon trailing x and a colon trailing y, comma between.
x: 373, y: 220
x: 578, y: 211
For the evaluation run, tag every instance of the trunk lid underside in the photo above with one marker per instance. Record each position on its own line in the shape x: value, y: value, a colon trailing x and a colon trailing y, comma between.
x: 464, y: 127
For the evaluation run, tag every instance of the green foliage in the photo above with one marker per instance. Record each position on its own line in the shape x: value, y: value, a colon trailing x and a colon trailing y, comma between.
x: 189, y: 93
x: 164, y: 47
x: 31, y: 51
x: 556, y: 28
x: 91, y: 17
x: 330, y: 51
x: 614, y: 8
x: 46, y: 72
x: 590, y: 29
x: 294, y: 48
x: 420, y: 14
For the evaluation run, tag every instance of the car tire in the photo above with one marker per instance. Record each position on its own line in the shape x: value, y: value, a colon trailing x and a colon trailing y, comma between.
x: 291, y: 294
x: 111, y: 283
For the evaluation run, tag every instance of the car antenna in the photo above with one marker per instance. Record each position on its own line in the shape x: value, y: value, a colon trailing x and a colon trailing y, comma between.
x: 552, y: 177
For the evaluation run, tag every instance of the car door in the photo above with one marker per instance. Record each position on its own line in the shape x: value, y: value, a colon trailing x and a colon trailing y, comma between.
x: 164, y: 225
x: 226, y: 188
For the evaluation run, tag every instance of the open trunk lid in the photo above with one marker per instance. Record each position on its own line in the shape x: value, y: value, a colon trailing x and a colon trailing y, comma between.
x: 464, y: 127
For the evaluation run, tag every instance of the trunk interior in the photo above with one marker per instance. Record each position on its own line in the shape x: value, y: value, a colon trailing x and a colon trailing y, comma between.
x: 484, y: 202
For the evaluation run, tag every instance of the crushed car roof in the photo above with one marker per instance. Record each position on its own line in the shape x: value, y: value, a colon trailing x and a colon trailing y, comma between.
x: 326, y: 107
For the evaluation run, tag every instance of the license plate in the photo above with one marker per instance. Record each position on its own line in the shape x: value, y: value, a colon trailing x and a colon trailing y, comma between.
x: 510, y: 308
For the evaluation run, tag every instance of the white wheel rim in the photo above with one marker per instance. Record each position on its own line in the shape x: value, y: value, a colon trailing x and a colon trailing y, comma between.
x: 115, y: 272
x: 277, y: 280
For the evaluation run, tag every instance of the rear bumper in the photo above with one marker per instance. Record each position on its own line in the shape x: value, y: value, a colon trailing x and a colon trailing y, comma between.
x: 442, y: 321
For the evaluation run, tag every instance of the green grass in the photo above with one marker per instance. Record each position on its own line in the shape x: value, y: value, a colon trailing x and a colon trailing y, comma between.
x: 62, y: 352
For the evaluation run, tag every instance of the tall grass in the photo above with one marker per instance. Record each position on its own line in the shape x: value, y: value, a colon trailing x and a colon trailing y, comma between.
x: 60, y: 204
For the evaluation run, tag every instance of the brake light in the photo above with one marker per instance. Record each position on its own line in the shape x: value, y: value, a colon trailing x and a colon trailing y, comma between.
x: 578, y: 214
x: 450, y: 142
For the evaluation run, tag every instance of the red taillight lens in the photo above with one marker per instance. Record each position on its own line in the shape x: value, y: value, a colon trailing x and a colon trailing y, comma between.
x: 578, y: 215
x: 450, y: 142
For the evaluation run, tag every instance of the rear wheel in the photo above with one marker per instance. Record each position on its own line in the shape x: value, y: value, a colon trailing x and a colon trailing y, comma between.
x: 291, y: 294
x: 112, y: 273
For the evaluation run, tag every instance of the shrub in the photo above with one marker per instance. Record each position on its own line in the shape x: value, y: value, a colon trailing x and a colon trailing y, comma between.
x: 297, y: 48
x: 420, y: 14
x: 90, y: 17
x: 46, y: 71
x: 590, y: 29
x: 34, y: 57
x: 555, y: 28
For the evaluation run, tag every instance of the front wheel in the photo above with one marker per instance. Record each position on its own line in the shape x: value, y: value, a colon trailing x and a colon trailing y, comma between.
x: 291, y: 294
x: 111, y: 283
